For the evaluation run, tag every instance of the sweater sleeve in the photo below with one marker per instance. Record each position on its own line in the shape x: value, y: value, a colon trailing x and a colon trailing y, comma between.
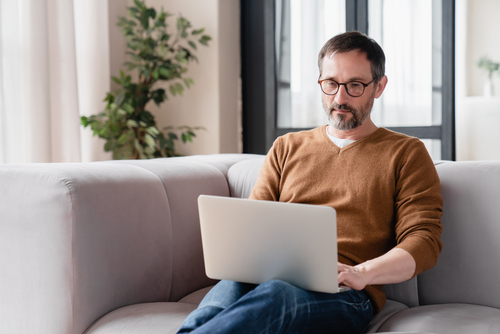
x: 267, y: 186
x: 419, y: 207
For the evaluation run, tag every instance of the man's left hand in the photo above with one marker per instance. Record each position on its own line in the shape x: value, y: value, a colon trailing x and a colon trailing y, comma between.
x: 352, y: 276
x: 395, y: 266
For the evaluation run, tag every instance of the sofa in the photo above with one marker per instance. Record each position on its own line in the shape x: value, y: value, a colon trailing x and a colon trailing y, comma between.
x: 115, y: 247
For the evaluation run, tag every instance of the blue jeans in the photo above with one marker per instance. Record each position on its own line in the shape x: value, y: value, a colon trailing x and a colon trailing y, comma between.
x: 277, y: 307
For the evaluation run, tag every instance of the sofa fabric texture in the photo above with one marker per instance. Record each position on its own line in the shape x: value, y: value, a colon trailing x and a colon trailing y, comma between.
x: 115, y: 247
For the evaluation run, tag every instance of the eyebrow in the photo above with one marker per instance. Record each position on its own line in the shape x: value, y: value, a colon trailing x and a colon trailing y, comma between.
x: 351, y: 79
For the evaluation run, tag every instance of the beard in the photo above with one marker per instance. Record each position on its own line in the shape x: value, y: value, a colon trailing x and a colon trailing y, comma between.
x: 340, y: 121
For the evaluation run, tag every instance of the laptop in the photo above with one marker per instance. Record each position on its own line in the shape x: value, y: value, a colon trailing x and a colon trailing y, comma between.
x: 254, y: 241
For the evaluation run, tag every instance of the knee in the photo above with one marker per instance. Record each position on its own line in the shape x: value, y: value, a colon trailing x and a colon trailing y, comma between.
x: 278, y: 290
x: 281, y: 297
x: 276, y: 285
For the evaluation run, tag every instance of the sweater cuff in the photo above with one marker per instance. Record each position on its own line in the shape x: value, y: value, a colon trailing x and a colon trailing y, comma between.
x: 424, y: 252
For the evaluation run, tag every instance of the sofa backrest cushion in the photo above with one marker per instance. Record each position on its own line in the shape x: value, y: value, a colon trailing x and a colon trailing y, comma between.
x: 242, y: 177
x: 467, y: 271
x: 183, y: 181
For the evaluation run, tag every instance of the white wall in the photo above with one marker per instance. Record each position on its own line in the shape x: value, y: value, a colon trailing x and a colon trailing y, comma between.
x: 483, y: 25
x: 477, y: 116
x: 213, y: 102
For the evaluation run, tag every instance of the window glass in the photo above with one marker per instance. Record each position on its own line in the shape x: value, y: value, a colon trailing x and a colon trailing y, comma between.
x: 302, y: 27
x: 410, y: 33
x: 433, y: 147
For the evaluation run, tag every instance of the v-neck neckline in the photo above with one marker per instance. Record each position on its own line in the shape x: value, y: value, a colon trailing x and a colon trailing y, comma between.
x: 356, y: 143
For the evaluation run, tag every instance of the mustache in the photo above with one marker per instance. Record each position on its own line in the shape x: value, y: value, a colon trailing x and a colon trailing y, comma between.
x: 345, y: 107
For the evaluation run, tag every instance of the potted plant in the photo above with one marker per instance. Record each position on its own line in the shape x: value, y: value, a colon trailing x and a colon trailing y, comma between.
x: 129, y: 129
x: 491, y: 67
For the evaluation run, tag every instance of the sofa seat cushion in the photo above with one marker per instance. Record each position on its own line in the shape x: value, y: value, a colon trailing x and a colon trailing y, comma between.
x: 445, y: 319
x: 151, y: 318
x: 196, y: 297
x: 391, y: 307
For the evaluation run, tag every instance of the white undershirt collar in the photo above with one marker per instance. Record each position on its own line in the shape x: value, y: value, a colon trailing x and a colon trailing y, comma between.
x: 341, y: 143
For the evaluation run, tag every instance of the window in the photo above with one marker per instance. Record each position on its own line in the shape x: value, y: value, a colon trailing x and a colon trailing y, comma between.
x: 417, y: 37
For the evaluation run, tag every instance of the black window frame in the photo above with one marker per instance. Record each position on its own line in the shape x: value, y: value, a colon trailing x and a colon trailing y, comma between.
x: 259, y: 80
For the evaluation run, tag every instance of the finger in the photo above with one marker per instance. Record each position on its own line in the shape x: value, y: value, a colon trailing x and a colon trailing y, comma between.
x: 342, y: 266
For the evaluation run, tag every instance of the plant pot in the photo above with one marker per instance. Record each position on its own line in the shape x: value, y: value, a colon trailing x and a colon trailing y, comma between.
x: 488, y: 89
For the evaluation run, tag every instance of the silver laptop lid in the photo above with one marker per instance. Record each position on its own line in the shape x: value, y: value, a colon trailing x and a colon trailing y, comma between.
x: 255, y: 241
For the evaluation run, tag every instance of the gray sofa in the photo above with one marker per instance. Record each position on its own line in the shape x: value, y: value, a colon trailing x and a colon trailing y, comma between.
x: 114, y: 247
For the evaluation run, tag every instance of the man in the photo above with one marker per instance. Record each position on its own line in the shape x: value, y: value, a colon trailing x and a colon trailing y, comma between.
x: 383, y: 185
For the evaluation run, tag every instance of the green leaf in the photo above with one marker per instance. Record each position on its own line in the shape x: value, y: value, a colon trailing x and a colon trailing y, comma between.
x: 108, y: 146
x: 181, y: 22
x: 205, y: 39
x: 163, y: 50
x: 165, y: 37
x: 197, y: 32
x: 153, y: 131
x: 158, y: 96
x: 120, y: 97
x: 161, y: 18
x: 140, y: 4
x: 179, y: 88
x: 144, y: 20
x: 84, y: 121
x: 150, y: 151
x: 155, y: 74
x: 146, y: 117
x: 130, y: 65
x: 185, y: 138
x: 109, y: 97
x: 128, y: 108
x: 172, y: 89
x: 181, y: 57
x: 123, y: 139
x: 188, y: 82
x: 151, y: 12
x: 165, y: 72
x: 191, y: 43
x: 150, y: 141
x: 139, y: 149
x: 132, y: 124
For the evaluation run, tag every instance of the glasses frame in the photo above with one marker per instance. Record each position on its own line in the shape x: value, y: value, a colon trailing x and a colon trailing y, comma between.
x: 345, y: 85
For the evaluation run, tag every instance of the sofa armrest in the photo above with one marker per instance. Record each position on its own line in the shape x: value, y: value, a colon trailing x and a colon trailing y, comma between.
x: 78, y: 240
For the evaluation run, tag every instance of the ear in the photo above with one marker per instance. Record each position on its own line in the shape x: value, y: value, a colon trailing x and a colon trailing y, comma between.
x: 380, y: 86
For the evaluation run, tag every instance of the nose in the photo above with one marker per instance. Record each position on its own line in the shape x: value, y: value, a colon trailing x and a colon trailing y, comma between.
x: 342, y: 97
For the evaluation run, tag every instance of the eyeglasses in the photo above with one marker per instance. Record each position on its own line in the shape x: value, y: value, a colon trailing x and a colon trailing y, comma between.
x: 353, y: 88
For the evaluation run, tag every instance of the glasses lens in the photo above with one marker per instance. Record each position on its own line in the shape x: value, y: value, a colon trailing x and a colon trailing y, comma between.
x: 329, y: 86
x: 355, y: 88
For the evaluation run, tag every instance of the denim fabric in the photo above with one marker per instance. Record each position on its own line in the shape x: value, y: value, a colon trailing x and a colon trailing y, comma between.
x: 278, y: 307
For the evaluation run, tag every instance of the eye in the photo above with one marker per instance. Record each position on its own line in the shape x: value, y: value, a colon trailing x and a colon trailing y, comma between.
x: 330, y: 83
x: 355, y: 84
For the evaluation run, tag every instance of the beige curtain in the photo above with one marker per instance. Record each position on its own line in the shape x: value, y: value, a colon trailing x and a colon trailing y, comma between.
x: 54, y: 67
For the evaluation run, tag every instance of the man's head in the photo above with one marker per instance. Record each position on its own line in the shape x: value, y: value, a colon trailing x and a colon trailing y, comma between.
x: 355, y: 41
x: 352, y: 68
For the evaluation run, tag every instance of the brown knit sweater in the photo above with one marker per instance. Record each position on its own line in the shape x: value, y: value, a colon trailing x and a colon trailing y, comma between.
x: 384, y: 187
